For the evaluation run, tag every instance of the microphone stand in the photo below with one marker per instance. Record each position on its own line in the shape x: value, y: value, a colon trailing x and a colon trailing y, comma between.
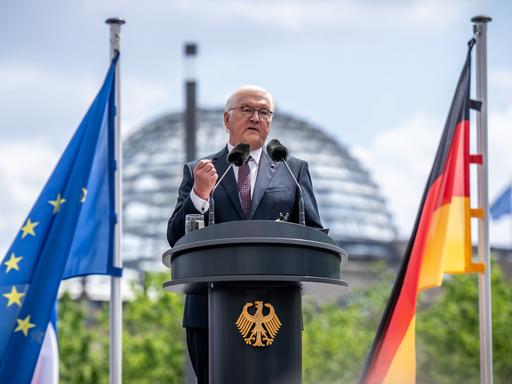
x: 302, y: 213
x: 211, y: 214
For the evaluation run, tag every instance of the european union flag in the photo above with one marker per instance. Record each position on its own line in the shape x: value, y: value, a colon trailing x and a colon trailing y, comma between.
x: 502, y: 205
x: 69, y: 232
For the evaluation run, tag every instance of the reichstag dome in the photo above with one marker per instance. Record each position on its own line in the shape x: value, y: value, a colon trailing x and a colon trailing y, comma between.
x: 349, y: 202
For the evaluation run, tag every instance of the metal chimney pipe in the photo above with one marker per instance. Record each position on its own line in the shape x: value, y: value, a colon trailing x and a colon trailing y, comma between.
x: 190, y: 125
x: 190, y: 121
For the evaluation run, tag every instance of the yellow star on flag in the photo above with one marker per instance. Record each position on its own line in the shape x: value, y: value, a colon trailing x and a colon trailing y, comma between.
x: 14, y: 297
x: 28, y: 228
x: 84, y: 195
x: 57, y: 203
x: 12, y: 263
x: 24, y: 325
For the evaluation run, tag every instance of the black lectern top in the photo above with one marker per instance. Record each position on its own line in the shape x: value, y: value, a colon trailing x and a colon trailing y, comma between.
x: 254, y: 251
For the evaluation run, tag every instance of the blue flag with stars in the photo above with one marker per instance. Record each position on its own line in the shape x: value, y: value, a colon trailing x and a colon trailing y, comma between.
x: 69, y: 232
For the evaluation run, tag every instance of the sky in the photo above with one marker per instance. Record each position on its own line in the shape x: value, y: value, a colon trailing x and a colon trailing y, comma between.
x: 379, y: 76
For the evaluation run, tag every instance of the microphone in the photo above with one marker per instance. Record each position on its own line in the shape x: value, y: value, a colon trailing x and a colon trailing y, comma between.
x: 278, y: 152
x: 238, y: 156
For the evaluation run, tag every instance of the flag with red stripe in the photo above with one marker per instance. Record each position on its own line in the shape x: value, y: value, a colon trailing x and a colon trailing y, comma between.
x: 440, y: 243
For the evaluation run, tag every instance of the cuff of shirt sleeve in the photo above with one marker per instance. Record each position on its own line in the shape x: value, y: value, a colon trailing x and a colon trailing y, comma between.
x: 200, y: 204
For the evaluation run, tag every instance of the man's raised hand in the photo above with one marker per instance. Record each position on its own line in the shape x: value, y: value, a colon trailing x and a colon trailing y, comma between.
x: 205, y: 176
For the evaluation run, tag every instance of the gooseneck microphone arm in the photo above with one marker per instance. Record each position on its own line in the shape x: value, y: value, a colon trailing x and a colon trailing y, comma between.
x: 211, y: 214
x: 302, y: 211
x: 278, y: 152
x: 238, y: 156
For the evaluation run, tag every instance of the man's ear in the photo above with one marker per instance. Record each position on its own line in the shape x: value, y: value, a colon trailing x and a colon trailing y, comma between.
x: 226, y: 120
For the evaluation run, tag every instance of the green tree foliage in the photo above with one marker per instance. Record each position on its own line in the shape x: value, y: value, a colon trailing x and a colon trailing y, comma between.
x: 448, y: 331
x: 336, y: 336
x: 153, y: 339
x: 153, y: 342
x: 83, y: 357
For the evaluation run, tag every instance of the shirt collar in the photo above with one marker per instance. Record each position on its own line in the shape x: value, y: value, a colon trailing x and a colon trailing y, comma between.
x: 256, y: 154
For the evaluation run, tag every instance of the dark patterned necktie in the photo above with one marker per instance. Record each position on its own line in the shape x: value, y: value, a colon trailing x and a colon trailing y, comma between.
x: 244, y: 186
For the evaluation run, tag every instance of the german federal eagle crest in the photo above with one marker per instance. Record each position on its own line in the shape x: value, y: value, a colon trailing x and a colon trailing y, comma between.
x: 258, y: 330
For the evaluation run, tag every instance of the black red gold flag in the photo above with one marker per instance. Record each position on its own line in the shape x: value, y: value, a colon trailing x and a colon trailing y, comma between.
x: 440, y: 243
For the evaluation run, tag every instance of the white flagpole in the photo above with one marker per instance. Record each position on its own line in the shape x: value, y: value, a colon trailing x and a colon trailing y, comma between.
x: 484, y: 280
x: 116, y: 303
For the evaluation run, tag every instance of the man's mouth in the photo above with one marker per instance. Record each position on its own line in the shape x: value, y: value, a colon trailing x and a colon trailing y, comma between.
x: 252, y: 129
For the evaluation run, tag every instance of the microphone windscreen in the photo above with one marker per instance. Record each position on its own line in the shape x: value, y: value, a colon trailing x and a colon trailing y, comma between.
x: 276, y: 150
x: 239, y: 154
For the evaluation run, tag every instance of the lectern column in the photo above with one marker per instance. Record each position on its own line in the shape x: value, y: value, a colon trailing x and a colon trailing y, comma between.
x: 255, y: 333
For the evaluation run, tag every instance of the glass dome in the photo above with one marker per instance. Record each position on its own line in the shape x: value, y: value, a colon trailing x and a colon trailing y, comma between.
x: 349, y: 202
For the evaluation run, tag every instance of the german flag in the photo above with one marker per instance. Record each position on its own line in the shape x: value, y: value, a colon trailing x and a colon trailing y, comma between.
x: 440, y: 243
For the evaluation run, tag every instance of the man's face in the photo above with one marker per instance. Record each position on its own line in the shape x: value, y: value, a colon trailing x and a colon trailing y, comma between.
x: 251, y: 130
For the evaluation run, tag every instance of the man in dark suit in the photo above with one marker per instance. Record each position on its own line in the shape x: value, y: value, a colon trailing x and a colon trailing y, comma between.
x: 259, y: 190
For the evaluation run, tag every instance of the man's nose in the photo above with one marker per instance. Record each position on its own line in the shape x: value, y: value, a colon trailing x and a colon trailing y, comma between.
x: 256, y: 116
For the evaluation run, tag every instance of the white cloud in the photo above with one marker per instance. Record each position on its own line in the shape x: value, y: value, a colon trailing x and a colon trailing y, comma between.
x: 40, y: 108
x: 400, y: 160
x: 43, y: 102
x: 500, y: 87
x: 27, y: 81
x: 500, y: 168
x: 143, y: 98
x: 64, y: 97
x: 36, y: 138
x: 24, y: 168
x: 501, y: 80
x: 293, y: 14
x: 428, y: 15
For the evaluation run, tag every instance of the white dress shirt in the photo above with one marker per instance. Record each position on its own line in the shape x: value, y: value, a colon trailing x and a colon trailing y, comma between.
x: 254, y: 162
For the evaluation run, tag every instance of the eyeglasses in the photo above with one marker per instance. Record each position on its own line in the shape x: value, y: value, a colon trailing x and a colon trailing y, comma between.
x: 248, y: 112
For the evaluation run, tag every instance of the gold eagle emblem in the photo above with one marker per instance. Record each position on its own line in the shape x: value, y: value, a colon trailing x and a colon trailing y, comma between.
x: 258, y: 330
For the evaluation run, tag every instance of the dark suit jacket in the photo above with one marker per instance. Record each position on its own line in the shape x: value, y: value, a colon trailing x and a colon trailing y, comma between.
x: 274, y: 192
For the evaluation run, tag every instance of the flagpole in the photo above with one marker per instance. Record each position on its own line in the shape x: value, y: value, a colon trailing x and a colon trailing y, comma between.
x: 484, y: 280
x: 116, y: 303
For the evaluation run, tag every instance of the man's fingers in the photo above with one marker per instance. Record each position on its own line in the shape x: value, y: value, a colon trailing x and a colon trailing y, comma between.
x: 204, y: 168
x: 202, y: 163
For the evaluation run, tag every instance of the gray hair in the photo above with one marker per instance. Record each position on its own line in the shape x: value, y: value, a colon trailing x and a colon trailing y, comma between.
x: 232, y: 98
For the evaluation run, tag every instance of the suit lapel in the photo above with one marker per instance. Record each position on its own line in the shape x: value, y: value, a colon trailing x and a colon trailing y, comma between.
x: 229, y: 182
x: 266, y: 170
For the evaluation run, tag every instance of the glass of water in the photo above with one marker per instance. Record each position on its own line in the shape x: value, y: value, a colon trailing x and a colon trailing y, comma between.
x: 193, y: 222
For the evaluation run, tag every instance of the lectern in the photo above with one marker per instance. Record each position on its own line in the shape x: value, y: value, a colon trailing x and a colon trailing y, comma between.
x: 254, y: 273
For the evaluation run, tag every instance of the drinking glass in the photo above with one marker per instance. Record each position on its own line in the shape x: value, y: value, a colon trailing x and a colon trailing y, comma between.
x: 193, y: 221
